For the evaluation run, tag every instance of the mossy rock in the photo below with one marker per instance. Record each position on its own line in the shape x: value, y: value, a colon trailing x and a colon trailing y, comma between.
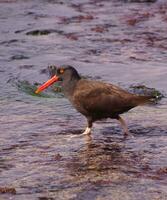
x: 30, y: 89
x: 144, y: 90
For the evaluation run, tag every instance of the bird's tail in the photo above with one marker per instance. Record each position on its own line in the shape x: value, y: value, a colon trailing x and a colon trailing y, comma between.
x: 140, y: 100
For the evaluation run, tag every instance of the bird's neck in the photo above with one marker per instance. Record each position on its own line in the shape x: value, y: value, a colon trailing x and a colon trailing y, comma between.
x: 68, y: 86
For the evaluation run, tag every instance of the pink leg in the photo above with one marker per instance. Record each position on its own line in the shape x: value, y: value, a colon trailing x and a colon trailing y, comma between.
x: 124, y: 126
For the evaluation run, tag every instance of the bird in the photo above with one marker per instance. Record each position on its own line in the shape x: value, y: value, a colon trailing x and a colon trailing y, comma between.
x: 96, y: 100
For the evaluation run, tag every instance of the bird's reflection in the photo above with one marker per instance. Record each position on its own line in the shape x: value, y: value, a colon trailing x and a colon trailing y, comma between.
x: 103, y: 152
x: 97, y: 154
x: 88, y: 139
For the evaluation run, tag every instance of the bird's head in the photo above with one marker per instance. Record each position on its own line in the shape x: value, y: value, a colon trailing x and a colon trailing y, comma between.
x: 65, y: 73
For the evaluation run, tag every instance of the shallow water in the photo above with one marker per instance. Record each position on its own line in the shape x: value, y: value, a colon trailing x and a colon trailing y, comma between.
x: 118, y: 42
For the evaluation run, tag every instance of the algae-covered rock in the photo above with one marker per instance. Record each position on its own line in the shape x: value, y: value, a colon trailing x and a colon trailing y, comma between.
x: 30, y: 89
x: 144, y: 90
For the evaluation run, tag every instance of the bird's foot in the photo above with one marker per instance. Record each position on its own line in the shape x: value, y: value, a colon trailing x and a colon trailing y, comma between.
x: 75, y: 136
x: 87, y: 131
x: 127, y: 134
x: 125, y: 128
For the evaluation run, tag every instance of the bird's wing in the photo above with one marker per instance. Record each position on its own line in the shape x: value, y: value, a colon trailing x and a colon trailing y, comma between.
x: 98, y: 97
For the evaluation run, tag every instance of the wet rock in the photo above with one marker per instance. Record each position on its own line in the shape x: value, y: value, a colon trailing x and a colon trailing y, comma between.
x: 55, y: 2
x: 96, y: 52
x: 57, y: 157
x: 7, y: 190
x: 155, y: 40
x: 140, y: 1
x: 39, y: 32
x: 71, y: 36
x: 44, y: 71
x: 26, y: 66
x: 76, y: 19
x: 100, y: 28
x: 4, y: 165
x: 43, y: 32
x: 45, y: 198
x: 77, y: 7
x: 132, y: 20
x: 8, y: 1
x: 19, y: 57
x: 2, y: 70
x: 8, y: 42
x: 162, y: 171
x: 20, y: 31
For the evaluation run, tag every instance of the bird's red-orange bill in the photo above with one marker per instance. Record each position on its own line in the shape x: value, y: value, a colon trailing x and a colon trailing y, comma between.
x: 47, y: 84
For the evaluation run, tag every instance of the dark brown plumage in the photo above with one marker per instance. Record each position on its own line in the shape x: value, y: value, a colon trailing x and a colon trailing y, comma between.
x: 97, y: 100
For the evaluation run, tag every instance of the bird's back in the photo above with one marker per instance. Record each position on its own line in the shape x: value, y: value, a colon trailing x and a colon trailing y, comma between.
x: 102, y: 100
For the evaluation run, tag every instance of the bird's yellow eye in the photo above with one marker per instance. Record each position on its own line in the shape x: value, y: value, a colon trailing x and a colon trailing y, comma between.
x: 61, y: 71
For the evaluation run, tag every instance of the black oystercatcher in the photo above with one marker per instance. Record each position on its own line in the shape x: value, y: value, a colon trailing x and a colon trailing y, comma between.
x: 94, y: 99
